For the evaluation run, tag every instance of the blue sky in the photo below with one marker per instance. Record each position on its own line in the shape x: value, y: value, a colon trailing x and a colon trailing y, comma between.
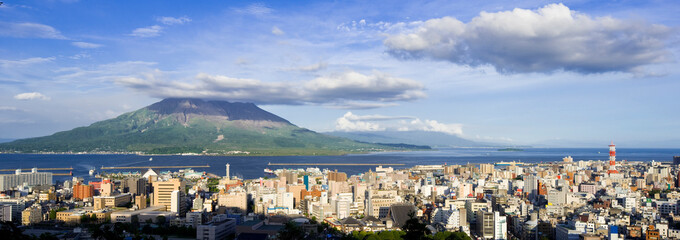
x: 572, y: 73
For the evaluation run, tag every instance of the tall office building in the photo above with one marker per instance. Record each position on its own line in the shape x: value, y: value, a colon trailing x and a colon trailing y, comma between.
x: 162, y: 192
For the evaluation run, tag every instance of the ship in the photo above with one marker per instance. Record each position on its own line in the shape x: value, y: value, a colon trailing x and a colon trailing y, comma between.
x: 513, y: 163
x: 92, y: 171
x: 268, y: 171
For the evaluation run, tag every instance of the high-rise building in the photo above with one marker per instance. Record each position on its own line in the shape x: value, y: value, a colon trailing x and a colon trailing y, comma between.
x: 500, y: 231
x: 162, y: 191
x: 175, y: 201
x: 486, y: 168
x: 34, y: 178
x: 82, y: 192
x: 5, y: 213
x: 136, y: 186
x: 485, y: 224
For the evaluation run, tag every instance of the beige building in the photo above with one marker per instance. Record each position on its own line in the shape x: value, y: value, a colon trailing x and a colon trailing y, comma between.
x: 140, y: 201
x: 74, y: 216
x: 31, y: 215
x: 379, y: 206
x: 46, y: 197
x: 112, y: 201
x: 162, y: 191
x: 234, y: 200
x: 106, y: 188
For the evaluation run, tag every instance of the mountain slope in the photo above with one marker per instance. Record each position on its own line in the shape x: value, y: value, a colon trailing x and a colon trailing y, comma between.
x: 433, y: 139
x: 194, y: 126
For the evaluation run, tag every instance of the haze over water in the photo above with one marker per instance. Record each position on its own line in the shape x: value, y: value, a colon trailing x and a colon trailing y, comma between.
x: 252, y: 167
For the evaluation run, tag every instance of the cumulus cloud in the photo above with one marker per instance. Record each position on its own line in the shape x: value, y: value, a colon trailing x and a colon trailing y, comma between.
x: 333, y: 89
x: 145, y: 32
x: 29, y: 30
x: 173, y: 20
x: 86, y: 45
x: 552, y: 38
x: 277, y: 31
x: 368, y: 123
x: 31, y: 96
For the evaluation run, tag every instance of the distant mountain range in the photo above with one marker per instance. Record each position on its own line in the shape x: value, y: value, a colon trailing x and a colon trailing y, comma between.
x: 433, y: 139
x: 196, y: 126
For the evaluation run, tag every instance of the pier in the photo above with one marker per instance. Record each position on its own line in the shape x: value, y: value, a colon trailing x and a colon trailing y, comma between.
x: 145, y: 167
x: 335, y: 164
x: 39, y: 169
x: 63, y: 174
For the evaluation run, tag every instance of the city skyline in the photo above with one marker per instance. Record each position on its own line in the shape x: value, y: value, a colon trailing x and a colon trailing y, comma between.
x: 566, y: 74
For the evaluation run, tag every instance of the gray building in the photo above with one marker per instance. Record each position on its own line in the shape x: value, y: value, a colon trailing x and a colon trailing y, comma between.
x: 5, y: 213
x: 34, y: 178
x: 11, y: 209
x: 136, y: 186
x: 219, y: 228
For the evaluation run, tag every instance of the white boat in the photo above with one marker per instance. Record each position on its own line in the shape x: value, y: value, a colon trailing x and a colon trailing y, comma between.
x: 91, y: 171
x: 268, y: 171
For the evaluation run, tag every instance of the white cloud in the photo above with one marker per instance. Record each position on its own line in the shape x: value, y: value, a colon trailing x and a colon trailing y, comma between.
x: 256, y: 9
x: 364, y: 123
x: 434, y: 126
x: 549, y: 39
x: 31, y: 96
x: 173, y: 20
x: 360, y: 105
x: 150, y: 31
x: 277, y: 31
x: 29, y: 30
x: 309, y: 68
x: 86, y: 45
x: 346, y: 123
x: 8, y: 108
x: 24, y: 62
x: 333, y: 89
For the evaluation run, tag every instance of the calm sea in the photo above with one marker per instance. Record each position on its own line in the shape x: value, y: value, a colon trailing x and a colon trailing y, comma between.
x: 252, y: 167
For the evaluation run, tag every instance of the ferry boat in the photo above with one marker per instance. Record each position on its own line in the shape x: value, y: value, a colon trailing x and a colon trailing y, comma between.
x: 513, y: 163
x: 268, y: 171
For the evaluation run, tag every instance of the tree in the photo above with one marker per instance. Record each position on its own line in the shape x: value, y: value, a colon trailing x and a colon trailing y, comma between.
x: 459, y: 236
x: 291, y: 231
x: 414, y: 228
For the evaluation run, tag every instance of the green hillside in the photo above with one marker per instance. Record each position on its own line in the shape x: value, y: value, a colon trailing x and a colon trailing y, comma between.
x: 194, y: 126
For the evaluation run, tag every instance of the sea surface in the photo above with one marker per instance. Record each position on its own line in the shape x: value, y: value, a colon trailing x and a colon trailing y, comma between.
x: 253, y: 167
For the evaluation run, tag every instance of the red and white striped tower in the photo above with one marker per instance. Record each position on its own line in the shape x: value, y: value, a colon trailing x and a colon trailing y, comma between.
x: 612, y: 158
